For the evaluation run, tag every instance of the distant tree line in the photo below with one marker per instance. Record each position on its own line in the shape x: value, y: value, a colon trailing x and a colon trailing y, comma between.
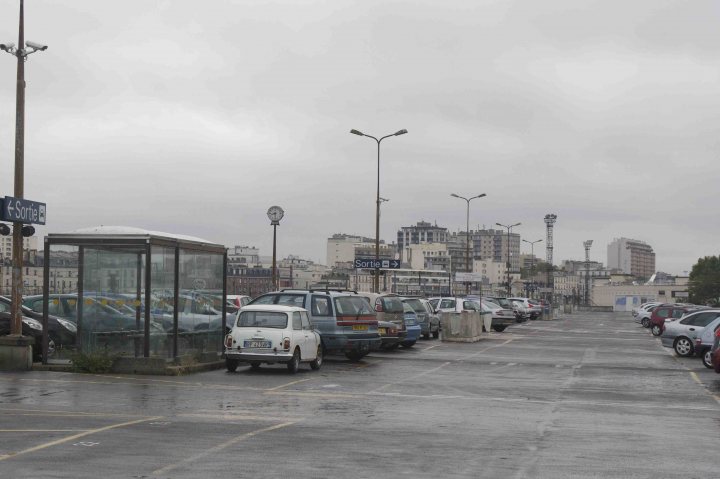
x: 704, y: 278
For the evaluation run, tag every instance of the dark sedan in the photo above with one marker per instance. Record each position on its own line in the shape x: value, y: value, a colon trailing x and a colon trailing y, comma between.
x: 61, y: 331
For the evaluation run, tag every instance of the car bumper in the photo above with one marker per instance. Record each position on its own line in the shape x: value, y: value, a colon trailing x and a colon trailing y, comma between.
x: 504, y: 321
x: 667, y: 341
x: 269, y: 357
x: 413, y: 333
x: 343, y: 343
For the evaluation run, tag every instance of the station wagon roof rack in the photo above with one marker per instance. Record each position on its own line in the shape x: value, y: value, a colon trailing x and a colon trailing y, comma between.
x: 326, y: 289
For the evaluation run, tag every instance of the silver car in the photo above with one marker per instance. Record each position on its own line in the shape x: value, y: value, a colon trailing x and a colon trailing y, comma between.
x: 704, y: 342
x: 681, y: 334
x: 501, y: 317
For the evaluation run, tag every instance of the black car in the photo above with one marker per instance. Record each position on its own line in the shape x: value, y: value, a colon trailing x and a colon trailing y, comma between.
x: 30, y: 327
x: 61, y: 331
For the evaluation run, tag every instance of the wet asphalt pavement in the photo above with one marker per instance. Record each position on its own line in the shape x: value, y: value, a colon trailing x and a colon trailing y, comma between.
x: 587, y: 395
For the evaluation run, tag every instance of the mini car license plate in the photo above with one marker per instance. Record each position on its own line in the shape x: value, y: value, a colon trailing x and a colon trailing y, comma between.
x: 382, y: 330
x: 257, y: 344
x: 360, y: 327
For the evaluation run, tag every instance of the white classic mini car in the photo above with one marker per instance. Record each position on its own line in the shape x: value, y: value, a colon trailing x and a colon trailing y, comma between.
x: 273, y: 334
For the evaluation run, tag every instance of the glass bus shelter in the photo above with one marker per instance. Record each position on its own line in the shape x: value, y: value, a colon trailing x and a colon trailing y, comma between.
x: 132, y: 293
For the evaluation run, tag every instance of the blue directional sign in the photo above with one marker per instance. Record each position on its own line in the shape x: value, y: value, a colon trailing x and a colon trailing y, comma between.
x: 20, y: 210
x: 372, y: 263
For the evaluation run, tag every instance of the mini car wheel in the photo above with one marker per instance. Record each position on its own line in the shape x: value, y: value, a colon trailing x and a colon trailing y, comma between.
x: 683, y: 346
x: 436, y: 334
x: 294, y: 364
x: 317, y: 362
x: 499, y: 329
x: 255, y: 364
x: 645, y: 322
x: 231, y: 364
x: 707, y: 359
x: 655, y: 330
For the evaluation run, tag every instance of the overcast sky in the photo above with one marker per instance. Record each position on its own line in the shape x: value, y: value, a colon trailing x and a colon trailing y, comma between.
x: 194, y: 117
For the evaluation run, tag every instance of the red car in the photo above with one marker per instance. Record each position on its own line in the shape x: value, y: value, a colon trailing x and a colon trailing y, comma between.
x: 715, y: 356
x: 666, y: 311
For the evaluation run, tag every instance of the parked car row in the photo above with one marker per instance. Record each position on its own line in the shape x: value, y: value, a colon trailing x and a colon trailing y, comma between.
x: 690, y: 330
x: 275, y: 327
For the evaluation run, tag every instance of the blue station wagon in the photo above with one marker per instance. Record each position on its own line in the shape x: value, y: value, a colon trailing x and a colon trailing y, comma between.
x: 346, y: 322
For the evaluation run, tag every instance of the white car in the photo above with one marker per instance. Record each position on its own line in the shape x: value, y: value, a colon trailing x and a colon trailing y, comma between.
x: 501, y: 317
x: 273, y: 334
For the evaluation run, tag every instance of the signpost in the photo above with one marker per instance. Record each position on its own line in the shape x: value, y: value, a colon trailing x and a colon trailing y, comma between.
x: 20, y: 210
x: 468, y: 277
x: 372, y: 263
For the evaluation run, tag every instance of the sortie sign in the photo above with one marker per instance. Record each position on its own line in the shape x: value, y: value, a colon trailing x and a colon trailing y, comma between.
x: 20, y: 210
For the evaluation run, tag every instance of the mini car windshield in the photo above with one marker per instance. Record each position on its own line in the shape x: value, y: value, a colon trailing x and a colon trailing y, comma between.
x: 262, y: 319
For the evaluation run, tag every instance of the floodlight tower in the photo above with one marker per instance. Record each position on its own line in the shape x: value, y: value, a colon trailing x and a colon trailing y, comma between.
x: 587, y: 244
x: 549, y: 222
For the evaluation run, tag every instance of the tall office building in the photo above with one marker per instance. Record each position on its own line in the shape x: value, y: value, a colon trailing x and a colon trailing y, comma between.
x: 631, y: 257
x: 422, y: 233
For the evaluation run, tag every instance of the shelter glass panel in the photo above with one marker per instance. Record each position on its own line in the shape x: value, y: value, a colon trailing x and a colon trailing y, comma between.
x: 111, y: 315
x: 200, y: 302
x: 162, y: 287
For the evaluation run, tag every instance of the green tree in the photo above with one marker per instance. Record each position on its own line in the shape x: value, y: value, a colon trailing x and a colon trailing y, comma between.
x: 705, y: 281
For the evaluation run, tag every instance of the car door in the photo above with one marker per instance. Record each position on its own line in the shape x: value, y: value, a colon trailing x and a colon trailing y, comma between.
x: 311, y: 341
x: 298, y: 334
x: 697, y: 323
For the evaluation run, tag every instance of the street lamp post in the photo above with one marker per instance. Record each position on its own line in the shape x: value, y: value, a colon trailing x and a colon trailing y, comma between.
x: 376, y: 279
x: 509, y: 228
x: 532, y: 253
x: 467, y: 235
x: 21, y: 52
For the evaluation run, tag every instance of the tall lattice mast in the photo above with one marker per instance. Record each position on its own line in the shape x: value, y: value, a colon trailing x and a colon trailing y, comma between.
x: 549, y: 221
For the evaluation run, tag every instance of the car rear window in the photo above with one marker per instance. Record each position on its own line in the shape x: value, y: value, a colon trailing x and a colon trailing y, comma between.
x: 416, y: 305
x: 392, y: 304
x: 353, y: 305
x: 447, y: 303
x: 262, y: 319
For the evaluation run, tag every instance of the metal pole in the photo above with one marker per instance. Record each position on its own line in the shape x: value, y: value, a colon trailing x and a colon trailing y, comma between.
x: 508, y: 261
x: 467, y: 245
x: 274, y: 274
x: 376, y: 279
x: 17, y: 248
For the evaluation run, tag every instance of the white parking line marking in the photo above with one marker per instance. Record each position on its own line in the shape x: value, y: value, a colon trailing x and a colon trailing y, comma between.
x: 288, y: 384
x: 77, y: 436
x: 220, y: 447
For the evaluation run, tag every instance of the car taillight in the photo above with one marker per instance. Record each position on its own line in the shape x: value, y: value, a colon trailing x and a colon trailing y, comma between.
x: 717, y: 333
x: 228, y: 341
x: 286, y: 344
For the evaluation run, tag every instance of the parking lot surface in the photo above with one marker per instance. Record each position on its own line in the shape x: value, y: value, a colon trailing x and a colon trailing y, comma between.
x: 586, y: 395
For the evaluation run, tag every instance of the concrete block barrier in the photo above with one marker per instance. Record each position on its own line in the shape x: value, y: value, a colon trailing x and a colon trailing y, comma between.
x: 465, y: 327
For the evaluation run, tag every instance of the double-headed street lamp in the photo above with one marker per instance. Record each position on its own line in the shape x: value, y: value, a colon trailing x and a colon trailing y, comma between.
x: 467, y: 234
x: 376, y: 280
x: 532, y: 253
x: 509, y: 227
x: 21, y: 52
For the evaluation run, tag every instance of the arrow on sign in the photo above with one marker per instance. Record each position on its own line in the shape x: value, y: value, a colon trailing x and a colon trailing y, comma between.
x: 394, y: 263
x: 9, y: 208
